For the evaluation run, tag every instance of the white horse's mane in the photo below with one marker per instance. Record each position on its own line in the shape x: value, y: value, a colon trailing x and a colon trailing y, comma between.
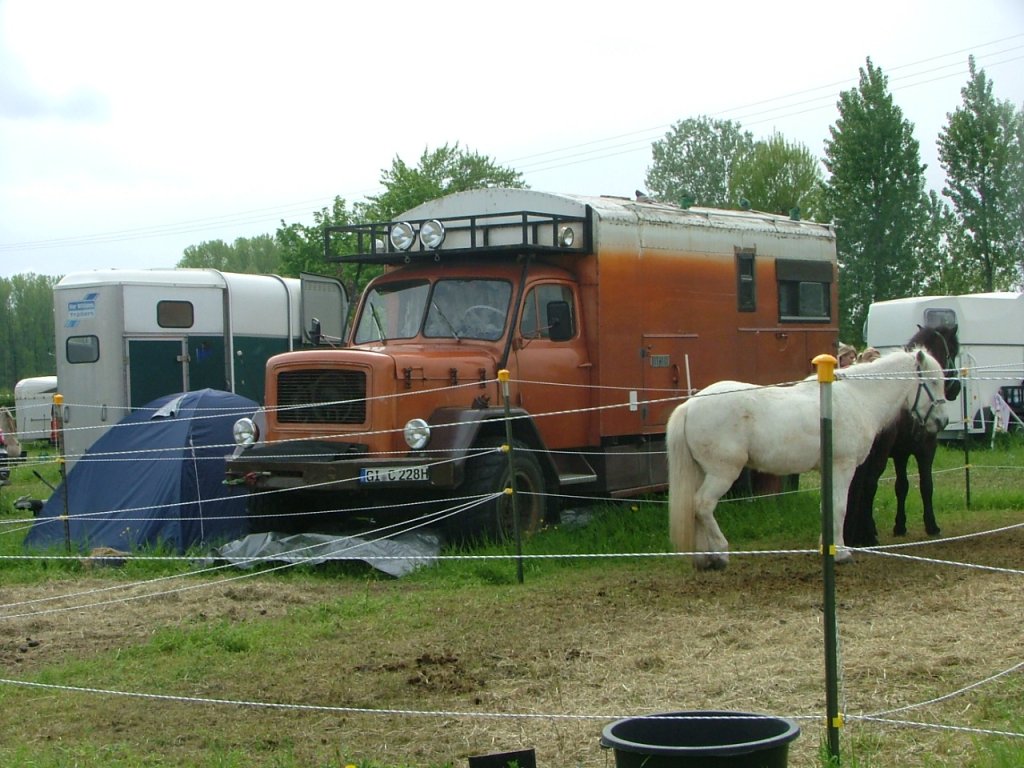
x: 895, y: 361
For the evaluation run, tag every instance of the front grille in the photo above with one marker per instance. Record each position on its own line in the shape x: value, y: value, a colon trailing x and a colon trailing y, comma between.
x: 321, y: 397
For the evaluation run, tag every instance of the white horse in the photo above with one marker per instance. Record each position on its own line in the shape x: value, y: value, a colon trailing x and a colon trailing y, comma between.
x: 731, y: 425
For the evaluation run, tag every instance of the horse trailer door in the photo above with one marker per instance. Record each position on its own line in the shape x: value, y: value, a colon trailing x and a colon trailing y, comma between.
x: 156, y: 367
x: 325, y: 300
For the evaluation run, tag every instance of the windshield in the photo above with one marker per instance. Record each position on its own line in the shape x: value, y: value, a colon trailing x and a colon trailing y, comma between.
x: 474, y: 309
x: 453, y: 309
x: 392, y: 311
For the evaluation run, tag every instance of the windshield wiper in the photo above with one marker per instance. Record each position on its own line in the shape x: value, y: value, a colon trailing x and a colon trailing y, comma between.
x: 377, y: 322
x: 447, y: 322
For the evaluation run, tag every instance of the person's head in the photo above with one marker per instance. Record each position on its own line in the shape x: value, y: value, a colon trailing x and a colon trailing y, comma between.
x: 869, y: 354
x: 847, y: 355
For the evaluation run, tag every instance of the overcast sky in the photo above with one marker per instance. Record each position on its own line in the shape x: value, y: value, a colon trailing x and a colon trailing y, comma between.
x: 131, y: 130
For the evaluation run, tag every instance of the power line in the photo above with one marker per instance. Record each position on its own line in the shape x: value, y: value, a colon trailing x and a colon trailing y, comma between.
x: 825, y: 101
x: 574, y: 154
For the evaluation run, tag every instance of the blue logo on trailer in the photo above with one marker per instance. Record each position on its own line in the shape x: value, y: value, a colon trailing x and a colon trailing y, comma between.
x: 79, y: 310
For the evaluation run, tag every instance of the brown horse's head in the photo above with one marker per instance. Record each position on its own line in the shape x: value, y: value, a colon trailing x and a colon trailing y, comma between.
x: 942, y: 344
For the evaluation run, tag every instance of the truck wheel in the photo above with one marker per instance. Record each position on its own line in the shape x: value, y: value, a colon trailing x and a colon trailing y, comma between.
x: 489, y: 473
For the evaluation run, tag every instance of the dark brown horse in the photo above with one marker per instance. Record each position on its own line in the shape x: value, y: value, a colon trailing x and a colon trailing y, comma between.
x: 900, y: 441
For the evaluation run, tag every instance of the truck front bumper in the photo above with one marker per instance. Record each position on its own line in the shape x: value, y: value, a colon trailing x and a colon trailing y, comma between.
x: 334, y: 467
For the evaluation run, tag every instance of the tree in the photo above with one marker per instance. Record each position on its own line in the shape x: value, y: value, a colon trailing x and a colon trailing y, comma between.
x: 875, y: 196
x: 26, y: 328
x: 940, y: 241
x: 441, y: 172
x: 980, y: 151
x: 302, y: 245
x: 260, y: 255
x: 694, y: 163
x: 778, y: 177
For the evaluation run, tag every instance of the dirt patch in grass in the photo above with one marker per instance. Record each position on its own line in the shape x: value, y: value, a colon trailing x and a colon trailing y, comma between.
x: 630, y: 638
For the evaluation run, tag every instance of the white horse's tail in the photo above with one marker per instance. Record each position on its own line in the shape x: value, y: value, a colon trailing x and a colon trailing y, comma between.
x: 684, y: 478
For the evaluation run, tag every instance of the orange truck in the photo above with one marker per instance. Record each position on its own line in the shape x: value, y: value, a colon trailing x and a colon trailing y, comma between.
x: 605, y: 311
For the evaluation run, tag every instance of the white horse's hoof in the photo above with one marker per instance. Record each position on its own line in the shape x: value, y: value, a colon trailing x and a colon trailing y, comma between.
x: 714, y: 562
x: 844, y: 556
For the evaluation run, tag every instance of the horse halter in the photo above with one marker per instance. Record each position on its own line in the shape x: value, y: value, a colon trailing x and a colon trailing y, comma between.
x: 932, y: 401
x: 952, y: 385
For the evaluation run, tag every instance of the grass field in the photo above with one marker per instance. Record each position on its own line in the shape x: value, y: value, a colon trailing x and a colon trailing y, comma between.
x: 155, y: 664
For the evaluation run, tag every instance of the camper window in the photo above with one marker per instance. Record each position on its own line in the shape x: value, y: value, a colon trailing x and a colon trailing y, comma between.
x: 82, y: 349
x: 175, y: 314
x: 746, y: 288
x: 804, y: 290
x: 803, y: 301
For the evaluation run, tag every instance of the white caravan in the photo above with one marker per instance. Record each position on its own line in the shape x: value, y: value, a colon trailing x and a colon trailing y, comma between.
x: 126, y: 337
x: 991, y: 334
x: 33, y: 407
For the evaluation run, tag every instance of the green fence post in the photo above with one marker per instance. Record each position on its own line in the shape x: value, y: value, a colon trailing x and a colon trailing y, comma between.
x: 826, y: 375
x: 503, y: 377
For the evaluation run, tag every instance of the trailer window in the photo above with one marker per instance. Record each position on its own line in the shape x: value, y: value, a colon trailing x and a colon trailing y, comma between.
x: 82, y: 349
x: 939, y: 318
x: 175, y: 314
x: 804, y: 290
x: 535, y: 323
x: 746, y: 289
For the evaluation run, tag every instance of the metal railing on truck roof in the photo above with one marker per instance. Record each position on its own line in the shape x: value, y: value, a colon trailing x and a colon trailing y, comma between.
x: 518, y: 231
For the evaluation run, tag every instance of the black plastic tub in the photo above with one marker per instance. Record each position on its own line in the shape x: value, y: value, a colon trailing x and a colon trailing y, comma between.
x: 701, y: 739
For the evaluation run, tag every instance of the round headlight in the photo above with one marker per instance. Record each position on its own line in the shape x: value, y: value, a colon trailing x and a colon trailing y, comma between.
x: 245, y: 432
x: 566, y: 237
x: 432, y: 234
x: 402, y: 235
x: 417, y: 433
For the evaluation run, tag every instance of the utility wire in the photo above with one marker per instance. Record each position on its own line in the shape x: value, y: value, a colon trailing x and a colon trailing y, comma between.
x: 753, y: 113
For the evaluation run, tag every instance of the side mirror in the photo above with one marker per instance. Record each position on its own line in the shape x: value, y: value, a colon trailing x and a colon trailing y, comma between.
x: 315, y: 333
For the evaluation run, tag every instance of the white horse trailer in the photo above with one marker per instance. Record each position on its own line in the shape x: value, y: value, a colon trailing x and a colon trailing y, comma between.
x: 991, y: 333
x: 33, y: 407
x: 126, y: 337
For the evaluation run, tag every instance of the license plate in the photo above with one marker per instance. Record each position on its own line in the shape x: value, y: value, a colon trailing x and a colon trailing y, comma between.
x: 394, y: 474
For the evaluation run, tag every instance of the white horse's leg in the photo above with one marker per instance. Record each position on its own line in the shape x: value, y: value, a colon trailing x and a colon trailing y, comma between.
x: 708, y: 536
x: 841, y: 479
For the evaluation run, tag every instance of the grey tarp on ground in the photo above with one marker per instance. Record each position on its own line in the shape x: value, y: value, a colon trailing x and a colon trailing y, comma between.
x: 395, y: 556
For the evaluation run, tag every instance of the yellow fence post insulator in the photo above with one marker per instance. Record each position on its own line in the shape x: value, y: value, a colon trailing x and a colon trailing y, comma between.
x: 826, y: 365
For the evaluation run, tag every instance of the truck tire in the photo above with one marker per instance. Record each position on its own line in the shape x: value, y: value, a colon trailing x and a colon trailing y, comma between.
x: 488, y: 473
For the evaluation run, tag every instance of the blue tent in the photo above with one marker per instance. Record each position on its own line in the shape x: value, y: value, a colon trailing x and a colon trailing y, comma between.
x: 155, y: 479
